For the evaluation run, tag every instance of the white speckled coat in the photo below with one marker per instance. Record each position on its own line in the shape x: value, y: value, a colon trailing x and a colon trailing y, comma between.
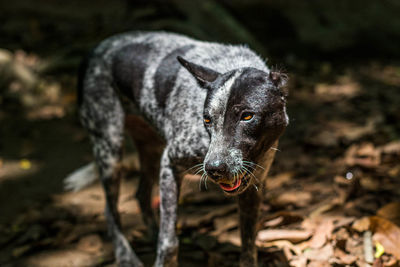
x: 218, y: 105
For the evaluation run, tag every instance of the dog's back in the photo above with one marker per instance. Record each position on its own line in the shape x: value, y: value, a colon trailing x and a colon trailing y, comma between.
x: 144, y: 67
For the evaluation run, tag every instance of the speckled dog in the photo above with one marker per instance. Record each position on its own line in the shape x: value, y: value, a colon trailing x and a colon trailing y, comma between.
x: 218, y: 108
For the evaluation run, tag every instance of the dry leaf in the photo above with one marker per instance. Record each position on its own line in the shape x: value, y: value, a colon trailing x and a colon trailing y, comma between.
x: 390, y: 212
x: 322, y: 254
x: 361, y: 225
x: 277, y: 181
x: 299, y: 199
x: 293, y: 236
x: 225, y: 223
x: 344, y: 258
x: 282, y: 218
x: 322, y: 233
x: 90, y: 243
x: 364, y: 155
x: 386, y: 233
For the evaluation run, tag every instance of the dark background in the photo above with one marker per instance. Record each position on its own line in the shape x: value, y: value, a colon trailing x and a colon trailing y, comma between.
x: 343, y: 60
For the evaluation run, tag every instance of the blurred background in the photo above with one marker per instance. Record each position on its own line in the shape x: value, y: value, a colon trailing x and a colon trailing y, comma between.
x: 333, y: 195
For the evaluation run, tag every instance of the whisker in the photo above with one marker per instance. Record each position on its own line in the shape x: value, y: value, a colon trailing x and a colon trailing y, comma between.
x: 205, y: 181
x: 274, y: 148
x: 247, y: 165
x: 195, y: 166
x: 201, y: 179
x: 255, y: 164
x: 255, y: 187
x: 249, y: 172
x: 199, y: 170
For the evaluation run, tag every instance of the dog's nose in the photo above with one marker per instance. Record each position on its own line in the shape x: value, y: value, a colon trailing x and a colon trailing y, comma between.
x: 216, y: 169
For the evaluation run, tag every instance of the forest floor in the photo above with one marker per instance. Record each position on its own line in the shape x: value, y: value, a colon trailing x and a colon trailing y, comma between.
x: 332, y: 198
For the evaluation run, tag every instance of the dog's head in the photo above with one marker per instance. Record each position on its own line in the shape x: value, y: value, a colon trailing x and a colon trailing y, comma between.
x: 244, y: 114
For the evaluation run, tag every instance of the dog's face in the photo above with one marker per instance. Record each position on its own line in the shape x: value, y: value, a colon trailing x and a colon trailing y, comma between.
x: 244, y: 114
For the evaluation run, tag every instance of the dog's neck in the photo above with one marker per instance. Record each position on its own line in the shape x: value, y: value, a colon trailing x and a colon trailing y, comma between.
x: 265, y: 161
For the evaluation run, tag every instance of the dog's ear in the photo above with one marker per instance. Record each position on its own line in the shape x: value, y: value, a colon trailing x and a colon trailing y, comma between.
x: 279, y: 80
x: 202, y: 74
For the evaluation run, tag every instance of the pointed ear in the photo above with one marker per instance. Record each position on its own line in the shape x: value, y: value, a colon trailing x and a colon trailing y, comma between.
x: 279, y: 80
x: 202, y: 74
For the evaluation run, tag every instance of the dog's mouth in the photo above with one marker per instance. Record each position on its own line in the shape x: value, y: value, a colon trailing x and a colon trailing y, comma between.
x: 230, y: 188
x: 235, y: 187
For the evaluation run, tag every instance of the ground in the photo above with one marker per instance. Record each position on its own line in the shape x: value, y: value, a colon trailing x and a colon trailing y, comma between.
x: 333, y: 196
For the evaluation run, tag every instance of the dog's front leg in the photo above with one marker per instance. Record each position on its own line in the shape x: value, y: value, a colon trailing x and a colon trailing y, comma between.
x: 167, y: 250
x: 249, y: 204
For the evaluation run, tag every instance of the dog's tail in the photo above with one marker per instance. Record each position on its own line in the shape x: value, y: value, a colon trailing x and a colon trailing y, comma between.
x: 81, y: 178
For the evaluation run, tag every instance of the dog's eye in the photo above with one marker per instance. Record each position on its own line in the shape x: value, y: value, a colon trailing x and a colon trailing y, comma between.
x: 246, y: 116
x: 207, y: 120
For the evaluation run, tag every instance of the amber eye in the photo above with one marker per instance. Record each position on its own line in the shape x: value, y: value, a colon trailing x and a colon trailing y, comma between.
x: 207, y: 120
x: 247, y: 116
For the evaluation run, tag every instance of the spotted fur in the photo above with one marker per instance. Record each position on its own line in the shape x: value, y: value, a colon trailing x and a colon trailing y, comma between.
x: 174, y: 81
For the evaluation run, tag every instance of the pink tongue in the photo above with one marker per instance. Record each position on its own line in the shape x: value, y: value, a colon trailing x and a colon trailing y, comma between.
x: 228, y: 188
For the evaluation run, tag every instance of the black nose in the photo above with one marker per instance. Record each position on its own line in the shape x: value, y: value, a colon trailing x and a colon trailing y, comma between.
x: 216, y: 169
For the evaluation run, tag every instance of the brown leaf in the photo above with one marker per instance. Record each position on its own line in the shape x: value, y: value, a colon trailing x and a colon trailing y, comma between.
x: 293, y: 236
x: 344, y: 258
x: 281, y: 244
x: 365, y: 155
x: 225, y: 223
x: 322, y: 233
x: 196, y: 218
x: 230, y: 237
x: 322, y: 254
x: 90, y: 243
x: 386, y: 233
x: 277, y: 181
x: 282, y: 218
x: 391, y: 148
x: 361, y: 225
x: 299, y: 199
x: 390, y: 212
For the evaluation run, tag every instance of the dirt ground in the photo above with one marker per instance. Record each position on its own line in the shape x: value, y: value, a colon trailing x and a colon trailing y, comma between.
x: 332, y: 199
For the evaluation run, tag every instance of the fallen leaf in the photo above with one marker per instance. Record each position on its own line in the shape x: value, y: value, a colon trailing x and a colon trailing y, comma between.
x: 230, y: 237
x: 322, y: 233
x: 281, y: 244
x: 364, y: 155
x: 222, y: 224
x: 293, y: 236
x: 194, y: 219
x: 387, y: 234
x: 321, y: 254
x: 299, y: 199
x: 391, y: 212
x: 379, y: 250
x: 90, y: 243
x: 391, y: 148
x: 361, y: 225
x: 277, y: 181
x: 25, y: 164
x: 343, y: 258
x: 282, y: 218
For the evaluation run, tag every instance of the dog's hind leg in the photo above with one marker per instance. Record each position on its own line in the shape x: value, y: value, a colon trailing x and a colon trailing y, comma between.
x: 167, y: 249
x: 102, y: 115
x: 150, y: 147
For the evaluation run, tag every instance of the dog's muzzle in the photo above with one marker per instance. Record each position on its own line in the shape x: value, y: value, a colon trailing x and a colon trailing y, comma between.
x: 219, y: 173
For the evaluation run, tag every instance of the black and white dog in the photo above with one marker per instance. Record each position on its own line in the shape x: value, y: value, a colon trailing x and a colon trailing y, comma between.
x: 217, y: 107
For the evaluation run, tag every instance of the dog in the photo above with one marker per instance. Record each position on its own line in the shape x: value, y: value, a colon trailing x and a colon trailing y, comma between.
x: 212, y: 109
